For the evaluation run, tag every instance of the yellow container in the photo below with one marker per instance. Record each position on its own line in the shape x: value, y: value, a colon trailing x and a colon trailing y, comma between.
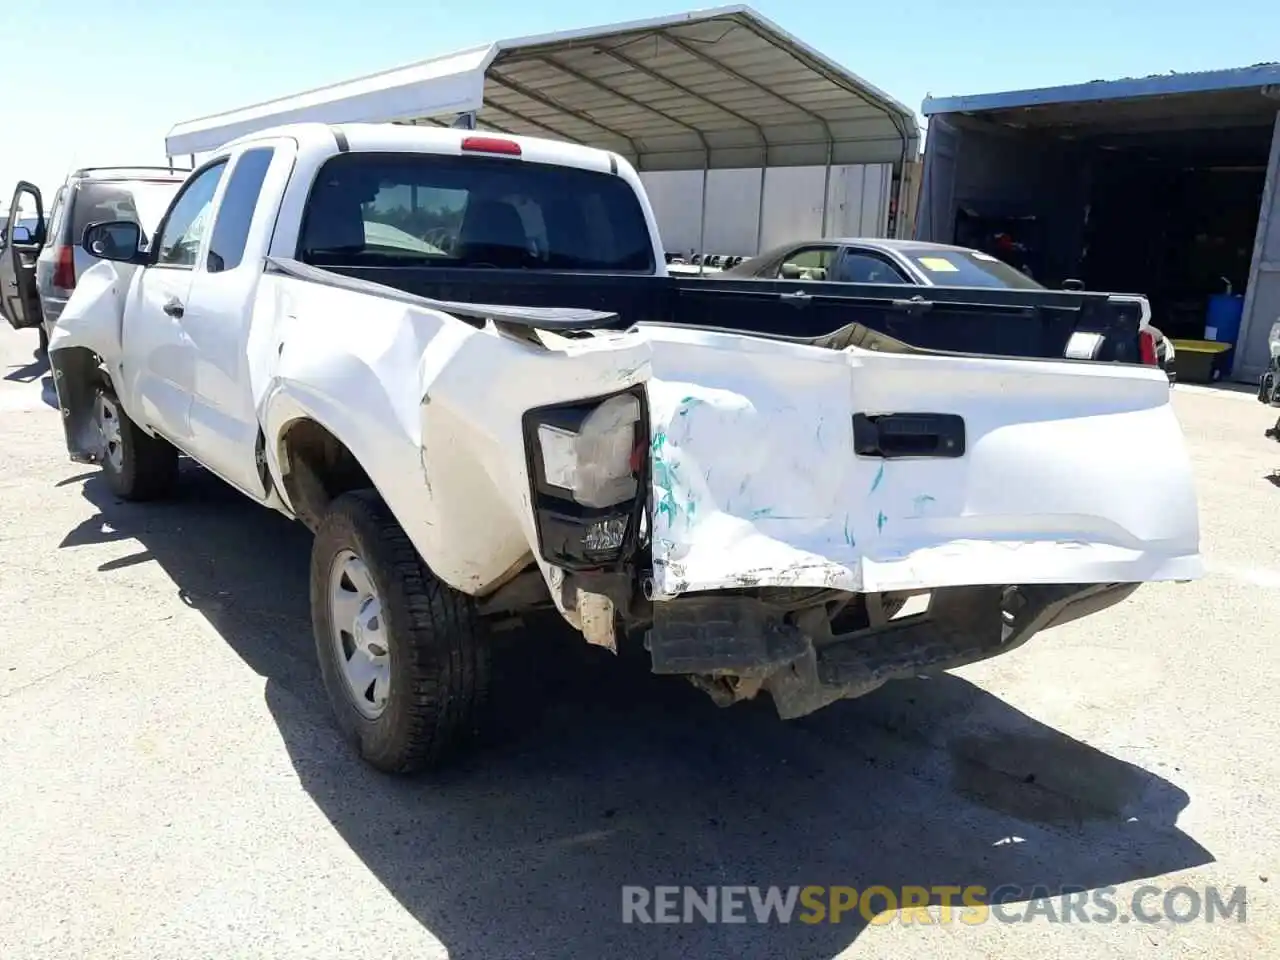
x: 1201, y: 361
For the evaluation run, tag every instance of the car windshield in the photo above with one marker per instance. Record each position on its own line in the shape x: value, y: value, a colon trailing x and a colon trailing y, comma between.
x: 140, y: 201
x: 969, y: 268
x: 424, y: 209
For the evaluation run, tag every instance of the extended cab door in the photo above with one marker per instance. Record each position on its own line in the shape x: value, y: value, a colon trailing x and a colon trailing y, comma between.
x: 19, y: 297
x: 161, y: 375
x: 224, y: 419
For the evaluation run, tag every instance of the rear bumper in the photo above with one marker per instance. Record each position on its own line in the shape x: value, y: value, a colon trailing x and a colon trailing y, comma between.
x: 737, y: 645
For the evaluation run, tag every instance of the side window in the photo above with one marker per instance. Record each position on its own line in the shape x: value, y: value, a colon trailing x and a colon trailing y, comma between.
x: 188, y: 221
x: 235, y: 212
x: 860, y: 267
x: 807, y: 263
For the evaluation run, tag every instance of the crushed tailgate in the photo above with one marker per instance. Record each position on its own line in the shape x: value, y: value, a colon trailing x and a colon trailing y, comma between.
x: 780, y: 464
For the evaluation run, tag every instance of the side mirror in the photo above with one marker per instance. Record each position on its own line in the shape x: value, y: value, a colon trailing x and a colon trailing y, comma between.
x: 118, y: 240
x: 22, y: 235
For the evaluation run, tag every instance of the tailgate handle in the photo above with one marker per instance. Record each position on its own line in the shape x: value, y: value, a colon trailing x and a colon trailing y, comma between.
x: 892, y: 435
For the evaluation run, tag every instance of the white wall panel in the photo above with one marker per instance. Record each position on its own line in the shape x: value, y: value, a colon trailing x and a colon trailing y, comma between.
x: 858, y: 205
x: 676, y: 198
x: 733, y: 210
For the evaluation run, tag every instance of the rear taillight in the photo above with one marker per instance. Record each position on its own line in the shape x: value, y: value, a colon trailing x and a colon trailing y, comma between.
x: 587, y: 466
x: 592, y: 461
x: 1147, y: 348
x: 64, y: 270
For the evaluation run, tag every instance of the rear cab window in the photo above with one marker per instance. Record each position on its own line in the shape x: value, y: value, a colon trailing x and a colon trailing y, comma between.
x: 384, y: 209
x: 969, y: 268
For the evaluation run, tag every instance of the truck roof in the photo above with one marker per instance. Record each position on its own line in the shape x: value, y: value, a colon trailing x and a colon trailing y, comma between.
x: 388, y: 137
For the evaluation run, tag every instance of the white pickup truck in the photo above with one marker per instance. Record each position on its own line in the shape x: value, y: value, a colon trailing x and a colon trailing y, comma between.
x: 458, y: 358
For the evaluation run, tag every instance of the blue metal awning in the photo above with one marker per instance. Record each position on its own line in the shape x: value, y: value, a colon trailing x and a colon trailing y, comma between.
x: 1261, y: 75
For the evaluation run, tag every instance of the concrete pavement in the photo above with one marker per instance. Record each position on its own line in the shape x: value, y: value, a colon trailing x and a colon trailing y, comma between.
x: 171, y: 784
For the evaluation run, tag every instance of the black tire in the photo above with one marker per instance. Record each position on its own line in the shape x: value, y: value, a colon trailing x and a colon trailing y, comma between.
x: 438, y: 645
x: 43, y: 349
x: 147, y: 467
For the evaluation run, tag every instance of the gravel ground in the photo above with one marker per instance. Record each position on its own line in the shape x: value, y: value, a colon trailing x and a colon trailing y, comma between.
x: 171, y: 784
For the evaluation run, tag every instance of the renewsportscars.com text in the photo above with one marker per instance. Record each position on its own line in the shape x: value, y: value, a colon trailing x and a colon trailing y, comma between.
x: 969, y: 905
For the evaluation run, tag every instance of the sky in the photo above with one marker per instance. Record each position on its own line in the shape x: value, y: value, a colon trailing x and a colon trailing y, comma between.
x: 102, y: 83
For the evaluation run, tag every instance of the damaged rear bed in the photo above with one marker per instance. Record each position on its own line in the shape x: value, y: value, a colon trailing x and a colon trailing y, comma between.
x: 830, y: 507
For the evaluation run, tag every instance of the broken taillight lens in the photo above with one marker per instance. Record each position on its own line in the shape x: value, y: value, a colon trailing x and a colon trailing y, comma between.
x: 593, y: 462
x: 587, y: 469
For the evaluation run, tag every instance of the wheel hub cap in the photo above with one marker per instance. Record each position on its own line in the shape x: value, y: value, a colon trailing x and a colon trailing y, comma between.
x: 107, y: 420
x: 359, y: 634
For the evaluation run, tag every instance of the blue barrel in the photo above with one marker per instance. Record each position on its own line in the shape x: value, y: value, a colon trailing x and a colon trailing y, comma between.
x: 1222, y: 319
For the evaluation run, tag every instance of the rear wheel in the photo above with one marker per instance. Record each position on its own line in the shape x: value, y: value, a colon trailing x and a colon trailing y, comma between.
x: 137, y: 466
x: 43, y: 349
x: 405, y: 658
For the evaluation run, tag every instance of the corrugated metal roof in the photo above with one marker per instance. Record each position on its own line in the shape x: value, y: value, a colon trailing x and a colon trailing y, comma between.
x: 722, y: 88
x: 1159, y: 85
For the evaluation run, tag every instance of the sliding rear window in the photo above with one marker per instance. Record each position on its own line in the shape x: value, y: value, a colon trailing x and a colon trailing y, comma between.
x: 378, y: 209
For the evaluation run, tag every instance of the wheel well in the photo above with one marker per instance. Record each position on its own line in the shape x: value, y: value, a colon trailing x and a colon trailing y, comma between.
x: 316, y: 468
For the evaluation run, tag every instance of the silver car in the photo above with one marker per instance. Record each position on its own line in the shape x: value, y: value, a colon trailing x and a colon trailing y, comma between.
x: 914, y: 263
x: 40, y: 265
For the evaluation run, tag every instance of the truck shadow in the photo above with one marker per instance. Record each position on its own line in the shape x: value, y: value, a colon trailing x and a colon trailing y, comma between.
x: 27, y: 373
x: 617, y: 777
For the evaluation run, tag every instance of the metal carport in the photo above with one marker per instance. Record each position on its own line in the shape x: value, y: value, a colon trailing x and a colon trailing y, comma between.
x: 718, y: 89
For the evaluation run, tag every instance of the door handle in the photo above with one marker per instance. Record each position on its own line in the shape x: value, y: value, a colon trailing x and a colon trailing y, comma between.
x: 174, y: 307
x: 799, y: 295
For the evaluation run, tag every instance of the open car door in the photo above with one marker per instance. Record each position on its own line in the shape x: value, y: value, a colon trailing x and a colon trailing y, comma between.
x: 18, y: 294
